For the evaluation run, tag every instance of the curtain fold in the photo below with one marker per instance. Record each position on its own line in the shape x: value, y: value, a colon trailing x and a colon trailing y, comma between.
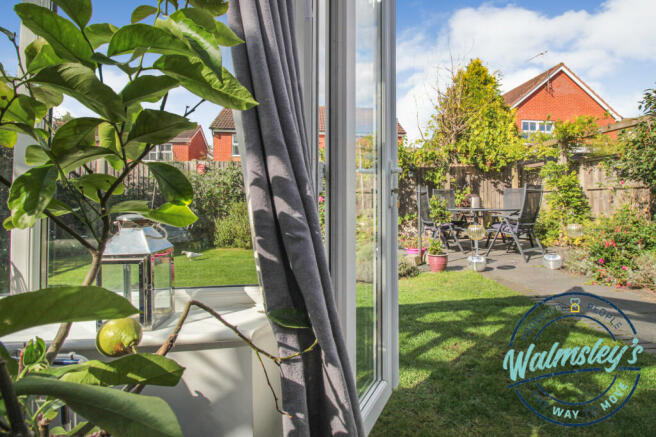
x: 318, y: 388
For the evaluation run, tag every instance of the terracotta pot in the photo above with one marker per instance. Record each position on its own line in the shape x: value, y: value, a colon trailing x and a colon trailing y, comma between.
x: 437, y: 263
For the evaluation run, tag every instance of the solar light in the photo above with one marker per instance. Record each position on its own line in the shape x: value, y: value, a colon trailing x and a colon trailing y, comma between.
x: 574, y: 230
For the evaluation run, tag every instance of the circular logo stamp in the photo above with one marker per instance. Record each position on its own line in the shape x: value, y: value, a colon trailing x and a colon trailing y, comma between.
x: 567, y: 374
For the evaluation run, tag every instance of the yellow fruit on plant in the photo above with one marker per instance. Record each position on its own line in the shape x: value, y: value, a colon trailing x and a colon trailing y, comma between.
x: 117, y: 337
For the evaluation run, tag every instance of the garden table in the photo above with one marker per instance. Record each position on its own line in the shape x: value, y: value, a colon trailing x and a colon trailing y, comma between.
x: 476, y: 212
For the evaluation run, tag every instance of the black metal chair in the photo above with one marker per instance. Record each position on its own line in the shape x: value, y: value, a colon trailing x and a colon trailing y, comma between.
x: 512, y: 199
x: 445, y: 230
x: 523, y: 223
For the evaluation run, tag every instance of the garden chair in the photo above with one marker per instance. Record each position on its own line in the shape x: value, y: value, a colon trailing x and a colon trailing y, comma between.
x: 512, y: 199
x: 523, y: 223
x: 445, y: 230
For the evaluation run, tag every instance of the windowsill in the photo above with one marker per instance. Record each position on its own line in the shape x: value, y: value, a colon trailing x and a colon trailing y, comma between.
x: 200, y: 328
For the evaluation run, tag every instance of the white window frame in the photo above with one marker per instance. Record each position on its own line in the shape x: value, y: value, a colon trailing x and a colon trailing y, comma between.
x: 536, y: 124
x: 159, y: 153
x: 340, y: 139
x: 235, y: 145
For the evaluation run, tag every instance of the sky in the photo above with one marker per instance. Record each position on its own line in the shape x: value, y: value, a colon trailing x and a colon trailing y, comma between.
x: 610, y: 44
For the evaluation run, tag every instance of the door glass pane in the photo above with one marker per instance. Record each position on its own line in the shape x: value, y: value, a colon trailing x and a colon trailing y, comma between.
x: 6, y: 166
x: 367, y: 151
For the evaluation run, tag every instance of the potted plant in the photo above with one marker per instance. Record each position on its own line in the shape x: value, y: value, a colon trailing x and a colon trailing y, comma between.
x: 437, y: 260
x: 409, y: 240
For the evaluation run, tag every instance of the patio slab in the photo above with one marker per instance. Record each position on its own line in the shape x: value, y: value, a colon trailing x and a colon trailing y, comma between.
x: 533, y: 279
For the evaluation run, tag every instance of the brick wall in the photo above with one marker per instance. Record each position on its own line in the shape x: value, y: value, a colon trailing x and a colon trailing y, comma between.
x: 563, y: 99
x: 222, y: 142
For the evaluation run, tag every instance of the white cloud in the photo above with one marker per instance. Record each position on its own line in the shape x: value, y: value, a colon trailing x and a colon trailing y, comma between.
x: 596, y: 45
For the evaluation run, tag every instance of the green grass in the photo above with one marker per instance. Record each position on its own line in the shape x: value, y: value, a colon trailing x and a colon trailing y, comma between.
x: 454, y: 332
x: 219, y: 266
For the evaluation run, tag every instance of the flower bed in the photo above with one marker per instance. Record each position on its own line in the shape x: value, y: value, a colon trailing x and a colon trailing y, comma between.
x: 619, y: 250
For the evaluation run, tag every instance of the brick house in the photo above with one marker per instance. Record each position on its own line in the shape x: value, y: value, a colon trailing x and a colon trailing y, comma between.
x: 187, y: 145
x: 556, y: 94
x: 224, y: 140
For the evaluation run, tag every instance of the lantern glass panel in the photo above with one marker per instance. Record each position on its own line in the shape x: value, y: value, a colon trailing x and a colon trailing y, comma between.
x: 123, y: 278
x: 163, y: 283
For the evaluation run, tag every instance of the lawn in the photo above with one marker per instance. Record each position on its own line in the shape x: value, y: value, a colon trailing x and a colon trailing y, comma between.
x: 454, y: 332
x: 218, y: 266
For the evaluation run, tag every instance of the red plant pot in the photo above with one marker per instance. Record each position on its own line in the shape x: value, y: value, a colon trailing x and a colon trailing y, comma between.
x: 437, y: 263
x: 415, y: 251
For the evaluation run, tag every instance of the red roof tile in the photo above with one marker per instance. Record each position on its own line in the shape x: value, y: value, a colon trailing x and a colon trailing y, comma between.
x: 517, y: 93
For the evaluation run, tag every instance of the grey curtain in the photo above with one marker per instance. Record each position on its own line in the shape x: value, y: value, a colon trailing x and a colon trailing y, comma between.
x: 318, y: 388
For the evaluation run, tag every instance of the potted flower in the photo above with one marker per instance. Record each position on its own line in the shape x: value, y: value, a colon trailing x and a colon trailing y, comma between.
x: 437, y: 260
x: 410, y: 241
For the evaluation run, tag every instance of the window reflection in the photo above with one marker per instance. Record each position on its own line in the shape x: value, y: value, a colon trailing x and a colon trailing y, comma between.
x: 367, y: 188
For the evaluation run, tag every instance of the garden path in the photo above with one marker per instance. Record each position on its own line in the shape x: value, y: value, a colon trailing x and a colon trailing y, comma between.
x: 533, y: 279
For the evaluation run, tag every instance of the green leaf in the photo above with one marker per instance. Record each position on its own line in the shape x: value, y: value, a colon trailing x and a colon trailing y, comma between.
x: 60, y: 304
x: 198, y: 16
x: 157, y: 127
x: 29, y: 130
x: 59, y: 430
x: 39, y: 54
x: 47, y: 95
x: 35, y: 352
x: 225, y: 36
x: 30, y: 194
x: 75, y: 158
x: 100, y: 33
x: 7, y: 138
x: 135, y: 36
x: 147, y: 89
x: 173, y: 184
x: 214, y: 7
x: 78, y: 132
x: 82, y: 84
x: 35, y: 155
x: 201, y: 81
x: 168, y: 213
x: 289, y: 317
x: 125, y: 66
x: 25, y: 109
x: 141, y: 12
x: 118, y: 412
x: 78, y: 10
x: 201, y: 41
x: 66, y: 39
x: 12, y: 363
x: 149, y: 369
x: 57, y: 208
x: 90, y: 184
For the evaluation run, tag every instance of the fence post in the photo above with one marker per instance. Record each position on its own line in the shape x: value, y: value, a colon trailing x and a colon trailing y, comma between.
x: 515, y: 176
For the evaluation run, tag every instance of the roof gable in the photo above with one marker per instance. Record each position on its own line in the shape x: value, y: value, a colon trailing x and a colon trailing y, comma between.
x: 521, y: 93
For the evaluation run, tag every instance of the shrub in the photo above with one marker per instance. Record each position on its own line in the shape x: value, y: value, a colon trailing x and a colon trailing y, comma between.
x: 566, y: 203
x: 439, y: 211
x: 644, y: 274
x: 214, y: 194
x: 614, y: 244
x: 234, y: 230
x: 364, y: 263
x: 407, y: 267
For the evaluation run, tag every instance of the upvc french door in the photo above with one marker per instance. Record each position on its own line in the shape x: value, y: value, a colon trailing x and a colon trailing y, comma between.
x: 361, y: 155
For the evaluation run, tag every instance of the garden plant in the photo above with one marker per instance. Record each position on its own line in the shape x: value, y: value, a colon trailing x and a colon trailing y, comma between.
x: 179, y: 48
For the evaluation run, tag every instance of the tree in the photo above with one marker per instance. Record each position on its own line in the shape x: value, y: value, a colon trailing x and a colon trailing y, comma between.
x: 636, y: 159
x: 472, y: 124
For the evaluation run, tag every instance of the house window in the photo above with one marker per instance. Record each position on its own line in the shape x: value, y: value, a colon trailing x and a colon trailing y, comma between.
x: 530, y: 127
x: 235, y: 145
x: 161, y: 152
